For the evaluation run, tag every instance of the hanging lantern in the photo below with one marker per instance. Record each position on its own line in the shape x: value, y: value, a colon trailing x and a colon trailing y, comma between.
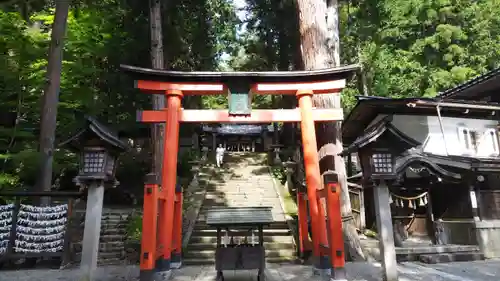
x: 410, y: 205
x: 390, y: 200
x: 421, y: 202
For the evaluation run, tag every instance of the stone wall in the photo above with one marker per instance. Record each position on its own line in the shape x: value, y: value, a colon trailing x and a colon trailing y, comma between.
x: 488, y: 236
x: 459, y: 232
x: 112, y: 248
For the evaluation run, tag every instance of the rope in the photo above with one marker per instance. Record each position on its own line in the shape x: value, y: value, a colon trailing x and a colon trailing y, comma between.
x: 409, y: 198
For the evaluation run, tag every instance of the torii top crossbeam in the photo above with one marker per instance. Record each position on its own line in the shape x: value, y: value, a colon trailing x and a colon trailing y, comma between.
x: 240, y: 87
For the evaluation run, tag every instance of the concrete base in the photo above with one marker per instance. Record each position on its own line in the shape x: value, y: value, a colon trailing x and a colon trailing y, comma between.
x: 488, y: 238
x: 323, y: 273
x: 386, y: 237
x: 451, y: 257
x: 176, y: 261
x: 155, y: 275
x: 322, y: 267
x: 338, y: 274
x: 92, y: 230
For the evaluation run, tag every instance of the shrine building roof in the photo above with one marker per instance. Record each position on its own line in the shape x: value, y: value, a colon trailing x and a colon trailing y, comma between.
x: 368, y: 108
x: 479, y: 87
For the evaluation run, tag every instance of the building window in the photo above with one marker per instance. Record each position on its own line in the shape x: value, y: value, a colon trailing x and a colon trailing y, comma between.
x: 490, y: 139
x: 480, y: 145
x: 493, y: 136
x: 468, y: 139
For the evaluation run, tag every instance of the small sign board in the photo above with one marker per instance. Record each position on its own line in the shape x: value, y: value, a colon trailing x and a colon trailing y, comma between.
x: 239, y: 104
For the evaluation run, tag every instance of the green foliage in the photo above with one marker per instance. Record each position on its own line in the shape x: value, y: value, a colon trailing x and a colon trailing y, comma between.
x: 419, y: 48
x: 278, y: 172
x: 134, y: 227
x: 184, y: 163
x: 408, y: 48
x: 100, y: 36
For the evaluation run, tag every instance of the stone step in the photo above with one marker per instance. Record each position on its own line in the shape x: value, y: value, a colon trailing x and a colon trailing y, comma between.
x: 114, y: 222
x: 112, y: 238
x: 213, y: 239
x: 270, y: 253
x: 104, y: 246
x: 267, y: 232
x: 414, y: 253
x: 211, y: 261
x: 111, y: 261
x: 436, y: 249
x: 103, y: 257
x: 276, y: 217
x: 274, y: 225
x: 193, y: 247
x: 109, y: 224
x: 108, y: 215
x: 109, y: 231
x: 104, y: 262
x: 451, y: 257
x: 221, y: 194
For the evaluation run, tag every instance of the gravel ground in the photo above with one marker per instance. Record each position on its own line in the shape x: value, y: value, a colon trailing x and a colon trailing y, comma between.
x: 463, y: 271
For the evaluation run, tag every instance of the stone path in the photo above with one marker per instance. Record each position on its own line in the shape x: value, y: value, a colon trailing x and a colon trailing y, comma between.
x: 245, y: 182
x: 459, y: 271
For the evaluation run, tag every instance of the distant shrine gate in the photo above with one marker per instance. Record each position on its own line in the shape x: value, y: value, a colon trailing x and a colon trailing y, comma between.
x: 162, y: 219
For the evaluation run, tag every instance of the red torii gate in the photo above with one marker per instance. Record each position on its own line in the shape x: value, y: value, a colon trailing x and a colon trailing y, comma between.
x: 162, y: 221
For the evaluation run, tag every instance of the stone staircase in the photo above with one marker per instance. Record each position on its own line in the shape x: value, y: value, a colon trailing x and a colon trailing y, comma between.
x: 113, y: 234
x: 243, y: 182
x: 423, y: 251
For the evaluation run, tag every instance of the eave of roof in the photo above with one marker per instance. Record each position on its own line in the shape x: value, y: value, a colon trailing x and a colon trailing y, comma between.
x: 139, y: 73
x: 369, y: 107
x: 100, y: 130
x: 375, y: 131
x: 474, y: 87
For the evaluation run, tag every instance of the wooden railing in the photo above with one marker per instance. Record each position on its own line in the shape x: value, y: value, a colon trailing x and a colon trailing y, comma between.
x: 356, y: 197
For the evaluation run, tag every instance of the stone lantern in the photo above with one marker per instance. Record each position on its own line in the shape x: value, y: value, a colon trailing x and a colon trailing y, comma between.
x: 99, y: 148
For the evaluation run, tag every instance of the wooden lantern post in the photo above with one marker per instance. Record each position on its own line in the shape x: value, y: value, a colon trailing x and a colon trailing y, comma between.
x: 379, y: 165
x: 100, y: 148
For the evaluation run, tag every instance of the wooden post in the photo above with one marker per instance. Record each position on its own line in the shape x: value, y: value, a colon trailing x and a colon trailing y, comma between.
x: 169, y: 178
x: 302, y: 224
x: 66, y: 257
x: 473, y: 194
x: 149, y: 229
x: 349, y: 165
x: 335, y: 236
x: 177, y: 231
x: 385, y: 230
x: 13, y: 230
x: 432, y: 226
x: 362, y: 212
x: 157, y: 62
x: 214, y: 142
x: 92, y: 231
x: 311, y: 164
x: 50, y: 99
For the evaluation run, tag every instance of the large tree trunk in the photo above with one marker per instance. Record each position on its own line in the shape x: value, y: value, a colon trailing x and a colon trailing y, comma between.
x: 320, y: 44
x: 51, y: 97
x: 157, y: 62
